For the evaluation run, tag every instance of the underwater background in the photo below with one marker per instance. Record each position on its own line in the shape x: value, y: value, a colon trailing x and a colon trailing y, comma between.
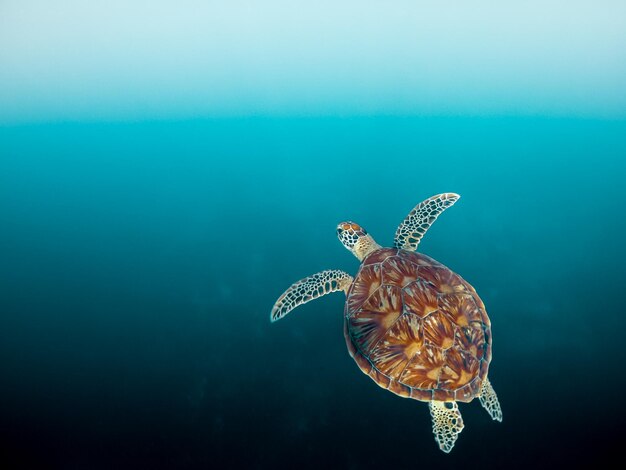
x: 160, y: 188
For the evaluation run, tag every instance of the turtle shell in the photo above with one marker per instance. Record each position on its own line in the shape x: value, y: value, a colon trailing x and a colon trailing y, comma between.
x: 417, y: 328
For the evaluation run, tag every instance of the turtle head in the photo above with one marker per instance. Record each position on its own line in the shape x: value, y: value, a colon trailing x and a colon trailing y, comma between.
x: 356, y: 239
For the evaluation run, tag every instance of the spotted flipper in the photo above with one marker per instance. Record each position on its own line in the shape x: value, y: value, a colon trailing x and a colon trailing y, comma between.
x: 310, y: 288
x: 447, y: 423
x: 489, y: 400
x: 419, y: 220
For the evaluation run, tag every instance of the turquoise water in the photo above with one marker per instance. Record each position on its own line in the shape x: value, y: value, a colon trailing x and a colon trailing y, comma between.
x: 167, y: 169
x: 140, y: 260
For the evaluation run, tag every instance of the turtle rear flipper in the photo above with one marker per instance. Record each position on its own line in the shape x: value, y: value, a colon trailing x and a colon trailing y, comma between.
x: 447, y: 423
x: 489, y: 400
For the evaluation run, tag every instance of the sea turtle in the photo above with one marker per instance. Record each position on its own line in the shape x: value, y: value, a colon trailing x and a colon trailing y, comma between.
x: 411, y: 324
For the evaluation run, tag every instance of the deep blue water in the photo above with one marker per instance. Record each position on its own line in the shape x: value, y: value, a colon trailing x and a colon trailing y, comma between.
x: 139, y: 262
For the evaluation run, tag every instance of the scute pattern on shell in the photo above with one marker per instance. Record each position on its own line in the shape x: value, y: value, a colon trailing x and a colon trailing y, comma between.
x: 417, y: 328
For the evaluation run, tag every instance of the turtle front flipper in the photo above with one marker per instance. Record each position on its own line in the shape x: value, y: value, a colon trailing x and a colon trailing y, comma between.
x: 419, y: 220
x: 310, y: 288
x: 489, y: 400
x: 447, y: 423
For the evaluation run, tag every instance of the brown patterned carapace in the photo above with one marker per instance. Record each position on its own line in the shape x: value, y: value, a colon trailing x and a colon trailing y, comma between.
x: 417, y: 328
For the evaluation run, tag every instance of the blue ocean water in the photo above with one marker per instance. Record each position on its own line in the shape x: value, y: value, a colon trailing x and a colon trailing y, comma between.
x: 139, y: 262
